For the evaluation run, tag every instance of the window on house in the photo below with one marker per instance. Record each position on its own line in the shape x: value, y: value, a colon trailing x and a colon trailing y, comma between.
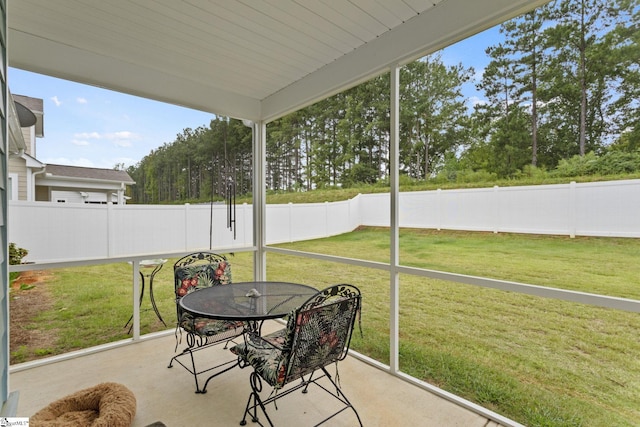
x: 12, y: 187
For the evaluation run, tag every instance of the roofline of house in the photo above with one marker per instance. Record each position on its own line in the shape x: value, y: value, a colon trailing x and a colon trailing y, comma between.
x: 48, y: 176
x: 32, y: 162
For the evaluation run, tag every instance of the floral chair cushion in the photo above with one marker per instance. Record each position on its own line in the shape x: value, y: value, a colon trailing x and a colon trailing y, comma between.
x: 266, y: 355
x: 192, y: 277
x: 320, y: 335
x: 207, y: 327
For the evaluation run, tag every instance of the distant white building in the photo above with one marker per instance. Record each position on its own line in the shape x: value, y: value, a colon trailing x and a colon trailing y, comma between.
x: 73, y: 184
x: 32, y: 180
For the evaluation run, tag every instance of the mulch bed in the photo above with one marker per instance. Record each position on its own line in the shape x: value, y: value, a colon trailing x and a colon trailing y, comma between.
x: 29, y: 296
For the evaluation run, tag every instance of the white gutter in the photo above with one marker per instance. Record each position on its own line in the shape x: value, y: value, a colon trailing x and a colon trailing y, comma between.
x: 31, y: 184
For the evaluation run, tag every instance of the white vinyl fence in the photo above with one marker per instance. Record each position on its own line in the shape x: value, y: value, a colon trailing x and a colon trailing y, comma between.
x: 608, y: 209
x: 67, y: 231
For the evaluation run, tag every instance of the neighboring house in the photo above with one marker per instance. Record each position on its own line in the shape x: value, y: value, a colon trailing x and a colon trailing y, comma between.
x: 32, y: 180
x: 73, y: 184
x: 25, y: 125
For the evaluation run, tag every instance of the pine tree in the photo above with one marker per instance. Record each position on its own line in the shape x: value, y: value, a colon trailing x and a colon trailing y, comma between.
x: 432, y: 113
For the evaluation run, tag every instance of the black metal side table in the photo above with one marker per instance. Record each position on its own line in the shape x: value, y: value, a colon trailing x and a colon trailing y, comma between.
x: 155, y: 265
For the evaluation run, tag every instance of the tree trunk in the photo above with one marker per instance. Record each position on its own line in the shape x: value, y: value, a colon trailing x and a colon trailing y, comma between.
x: 583, y: 84
x: 534, y: 114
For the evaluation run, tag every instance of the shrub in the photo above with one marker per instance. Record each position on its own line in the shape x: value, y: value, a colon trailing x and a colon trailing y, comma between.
x: 619, y: 162
x: 577, y: 166
x: 16, y: 254
x: 468, y: 176
x: 532, y: 172
x: 611, y: 163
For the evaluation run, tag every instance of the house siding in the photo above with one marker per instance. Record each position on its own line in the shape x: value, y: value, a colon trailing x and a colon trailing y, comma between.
x: 29, y: 139
x: 4, y: 257
x: 42, y: 193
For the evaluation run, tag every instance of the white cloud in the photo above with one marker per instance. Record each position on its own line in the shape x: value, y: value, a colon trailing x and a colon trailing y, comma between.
x: 81, y: 100
x: 119, y: 139
x: 89, y: 135
x: 56, y: 101
x: 125, y: 135
x: 474, y: 100
x: 122, y: 138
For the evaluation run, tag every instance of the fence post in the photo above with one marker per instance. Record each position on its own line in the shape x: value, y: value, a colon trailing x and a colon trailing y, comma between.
x: 439, y: 209
x: 358, y: 211
x: 326, y: 219
x: 496, y: 210
x: 111, y: 238
x: 290, y: 213
x: 572, y: 209
x: 186, y: 226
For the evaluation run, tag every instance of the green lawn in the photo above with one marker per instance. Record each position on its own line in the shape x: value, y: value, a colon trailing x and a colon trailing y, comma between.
x: 541, y: 362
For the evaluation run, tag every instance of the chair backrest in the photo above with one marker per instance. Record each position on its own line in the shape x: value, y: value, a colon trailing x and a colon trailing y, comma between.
x: 319, y: 332
x: 199, y: 270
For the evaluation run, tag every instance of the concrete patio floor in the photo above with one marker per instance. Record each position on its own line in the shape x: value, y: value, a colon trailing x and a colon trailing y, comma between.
x: 168, y: 395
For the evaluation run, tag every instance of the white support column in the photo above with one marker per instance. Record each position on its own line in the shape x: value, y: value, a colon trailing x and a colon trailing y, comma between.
x: 111, y: 230
x: 7, y: 400
x: 136, y: 300
x: 259, y: 200
x: 394, y: 190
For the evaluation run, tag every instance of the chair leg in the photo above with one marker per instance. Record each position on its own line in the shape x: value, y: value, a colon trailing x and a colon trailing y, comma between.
x: 191, y: 370
x: 252, y: 408
x: 254, y: 402
x: 201, y: 345
x: 340, y: 396
x: 195, y: 373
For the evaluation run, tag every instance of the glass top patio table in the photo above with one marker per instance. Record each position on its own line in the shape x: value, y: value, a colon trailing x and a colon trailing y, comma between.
x: 247, y: 301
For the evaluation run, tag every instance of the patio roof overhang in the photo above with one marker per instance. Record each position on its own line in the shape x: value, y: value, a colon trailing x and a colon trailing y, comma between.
x: 243, y: 59
x: 252, y: 60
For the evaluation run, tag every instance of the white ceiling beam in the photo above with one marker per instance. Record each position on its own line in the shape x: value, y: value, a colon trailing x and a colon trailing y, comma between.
x: 94, y: 64
x: 442, y: 25
x: 47, y: 57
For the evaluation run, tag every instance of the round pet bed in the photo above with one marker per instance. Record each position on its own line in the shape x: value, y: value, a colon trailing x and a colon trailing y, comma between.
x: 104, y: 405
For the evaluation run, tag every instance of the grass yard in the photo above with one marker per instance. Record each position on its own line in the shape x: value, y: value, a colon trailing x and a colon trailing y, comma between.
x: 541, y: 362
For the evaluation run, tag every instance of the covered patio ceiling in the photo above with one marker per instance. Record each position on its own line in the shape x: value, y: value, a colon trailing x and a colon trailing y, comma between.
x: 248, y: 59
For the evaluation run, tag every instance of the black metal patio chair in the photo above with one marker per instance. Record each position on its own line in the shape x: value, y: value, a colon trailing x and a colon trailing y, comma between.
x: 317, y: 334
x: 192, y: 272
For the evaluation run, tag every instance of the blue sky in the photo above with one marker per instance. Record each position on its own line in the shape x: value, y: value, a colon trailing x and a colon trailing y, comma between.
x: 470, y: 52
x: 93, y: 127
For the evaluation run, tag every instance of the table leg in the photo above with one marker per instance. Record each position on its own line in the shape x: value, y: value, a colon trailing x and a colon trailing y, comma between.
x: 153, y: 300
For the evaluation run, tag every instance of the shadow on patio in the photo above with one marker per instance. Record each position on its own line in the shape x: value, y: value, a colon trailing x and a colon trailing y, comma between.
x: 167, y: 395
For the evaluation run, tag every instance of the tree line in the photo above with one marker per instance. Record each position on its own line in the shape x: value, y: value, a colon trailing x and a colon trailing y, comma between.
x: 199, y: 164
x: 563, y: 82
